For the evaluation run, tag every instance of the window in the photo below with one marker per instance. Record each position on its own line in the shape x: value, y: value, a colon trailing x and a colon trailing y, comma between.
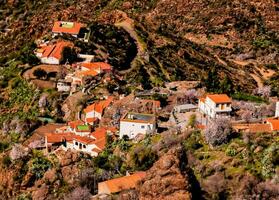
x: 76, y: 143
x: 142, y: 127
x: 84, y: 146
x: 217, y: 105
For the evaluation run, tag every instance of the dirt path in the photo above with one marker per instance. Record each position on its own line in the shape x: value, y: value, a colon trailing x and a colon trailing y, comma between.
x: 258, y: 80
x: 128, y: 25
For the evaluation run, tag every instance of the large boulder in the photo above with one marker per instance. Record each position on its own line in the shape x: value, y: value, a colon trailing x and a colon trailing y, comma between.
x: 165, y: 180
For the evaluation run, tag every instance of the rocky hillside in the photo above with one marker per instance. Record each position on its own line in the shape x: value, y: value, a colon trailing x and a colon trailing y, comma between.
x: 177, y: 39
x: 167, y: 179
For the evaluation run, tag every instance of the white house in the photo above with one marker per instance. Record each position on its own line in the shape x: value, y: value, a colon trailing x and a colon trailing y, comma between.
x: 277, y: 110
x: 133, y: 124
x: 215, y: 105
x: 63, y: 86
x: 96, y: 109
x: 52, y: 54
x: 62, y: 27
x: 78, y: 136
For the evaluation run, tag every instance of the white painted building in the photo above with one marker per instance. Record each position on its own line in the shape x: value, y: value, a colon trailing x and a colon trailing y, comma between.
x: 52, y: 54
x: 133, y: 124
x: 63, y: 86
x: 216, y: 105
x: 277, y: 110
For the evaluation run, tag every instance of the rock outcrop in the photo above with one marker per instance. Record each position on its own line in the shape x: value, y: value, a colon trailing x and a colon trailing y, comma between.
x: 165, y: 180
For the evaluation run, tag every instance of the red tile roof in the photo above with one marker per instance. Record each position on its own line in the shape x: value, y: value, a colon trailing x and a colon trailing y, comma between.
x: 124, y: 183
x: 99, y: 106
x: 73, y: 27
x: 220, y: 98
x: 97, y: 65
x: 84, y: 140
x: 87, y: 73
x: 100, y: 135
x: 74, y: 124
x: 58, y: 137
x: 274, y: 124
x: 202, y: 99
x: 55, y: 50
x: 259, y: 128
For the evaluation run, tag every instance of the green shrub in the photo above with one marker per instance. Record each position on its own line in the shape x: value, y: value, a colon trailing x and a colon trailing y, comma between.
x: 39, y: 166
x: 248, y: 97
x: 231, y: 151
x: 6, y: 161
x: 192, y: 120
x: 143, y: 158
x: 3, y: 146
x: 24, y: 197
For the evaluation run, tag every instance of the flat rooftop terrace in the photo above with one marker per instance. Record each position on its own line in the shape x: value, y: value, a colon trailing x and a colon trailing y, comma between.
x: 139, y: 117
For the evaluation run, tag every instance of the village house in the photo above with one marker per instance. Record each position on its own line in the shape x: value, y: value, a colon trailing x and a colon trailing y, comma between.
x: 52, y: 54
x: 135, y: 124
x: 75, y: 29
x: 63, y: 86
x: 274, y: 124
x: 78, y: 136
x: 96, y: 110
x: 117, y: 185
x: 215, y: 105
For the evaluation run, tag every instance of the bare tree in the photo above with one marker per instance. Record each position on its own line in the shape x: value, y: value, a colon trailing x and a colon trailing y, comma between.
x: 218, y: 132
x: 191, y: 95
x: 79, y: 193
x: 247, y: 116
x: 263, y: 91
x: 18, y: 151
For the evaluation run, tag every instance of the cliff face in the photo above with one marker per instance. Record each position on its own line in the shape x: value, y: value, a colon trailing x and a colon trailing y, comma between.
x: 165, y: 180
x: 181, y: 39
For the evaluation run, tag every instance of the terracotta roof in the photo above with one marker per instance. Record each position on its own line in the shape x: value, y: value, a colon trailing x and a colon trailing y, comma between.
x: 99, y: 106
x: 96, y: 150
x: 200, y: 126
x: 97, y: 66
x: 87, y: 73
x: 220, y: 98
x: 74, y: 124
x: 124, y: 183
x: 202, y: 99
x: 58, y: 137
x: 67, y: 27
x: 100, y: 135
x: 84, y: 140
x: 259, y: 128
x: 101, y: 143
x: 274, y: 124
x: 55, y: 50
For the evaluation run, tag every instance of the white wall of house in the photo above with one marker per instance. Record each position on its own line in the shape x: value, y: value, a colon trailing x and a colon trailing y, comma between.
x: 93, y: 114
x: 83, y: 133
x: 277, y: 110
x: 62, y: 87
x: 69, y: 145
x: 56, y: 34
x: 132, y: 129
x: 50, y: 60
x: 87, y: 148
x: 214, y: 110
